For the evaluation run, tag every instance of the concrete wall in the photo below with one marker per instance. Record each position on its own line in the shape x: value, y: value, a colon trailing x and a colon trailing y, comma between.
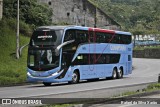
x: 147, y: 53
x: 79, y: 12
x: 1, y: 9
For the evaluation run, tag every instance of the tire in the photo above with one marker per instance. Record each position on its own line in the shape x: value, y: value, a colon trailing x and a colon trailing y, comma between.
x: 75, y: 78
x: 120, y: 74
x: 114, y: 74
x: 47, y: 83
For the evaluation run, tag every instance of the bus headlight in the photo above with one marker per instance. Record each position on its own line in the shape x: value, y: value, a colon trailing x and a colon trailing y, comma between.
x: 56, y: 73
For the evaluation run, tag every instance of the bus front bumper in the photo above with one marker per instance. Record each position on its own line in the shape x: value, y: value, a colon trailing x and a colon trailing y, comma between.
x: 52, y: 78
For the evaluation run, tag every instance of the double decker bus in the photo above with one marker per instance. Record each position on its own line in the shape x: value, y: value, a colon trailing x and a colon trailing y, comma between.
x: 74, y: 53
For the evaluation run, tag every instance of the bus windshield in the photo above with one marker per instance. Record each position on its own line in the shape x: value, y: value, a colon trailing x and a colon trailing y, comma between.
x: 46, y: 37
x: 42, y: 59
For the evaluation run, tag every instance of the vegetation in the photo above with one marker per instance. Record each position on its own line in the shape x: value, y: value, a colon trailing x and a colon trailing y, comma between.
x: 150, y: 88
x: 12, y: 71
x: 137, y: 16
x: 60, y: 105
x: 32, y: 14
x: 146, y: 47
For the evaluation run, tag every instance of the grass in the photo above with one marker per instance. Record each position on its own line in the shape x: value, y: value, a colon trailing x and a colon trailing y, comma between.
x: 60, y: 105
x: 146, y: 47
x: 12, y: 70
x: 153, y: 87
x: 150, y: 88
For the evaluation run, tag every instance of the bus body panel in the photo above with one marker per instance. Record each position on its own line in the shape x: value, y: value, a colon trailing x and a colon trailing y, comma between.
x: 89, y: 70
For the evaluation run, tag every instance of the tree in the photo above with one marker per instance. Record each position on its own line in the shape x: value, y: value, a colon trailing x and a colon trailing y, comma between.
x: 31, y: 12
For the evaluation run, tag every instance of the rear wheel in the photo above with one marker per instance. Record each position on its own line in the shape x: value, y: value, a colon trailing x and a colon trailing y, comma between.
x: 120, y: 73
x: 114, y: 74
x: 75, y: 78
x: 47, y: 83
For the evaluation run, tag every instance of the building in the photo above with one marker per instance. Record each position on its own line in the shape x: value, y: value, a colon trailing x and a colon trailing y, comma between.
x: 1, y: 9
x: 80, y: 12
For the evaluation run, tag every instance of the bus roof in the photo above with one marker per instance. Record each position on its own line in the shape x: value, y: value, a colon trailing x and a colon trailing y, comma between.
x: 82, y: 28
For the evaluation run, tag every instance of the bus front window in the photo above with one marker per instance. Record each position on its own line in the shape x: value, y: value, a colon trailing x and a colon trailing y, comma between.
x: 46, y: 38
x: 41, y: 60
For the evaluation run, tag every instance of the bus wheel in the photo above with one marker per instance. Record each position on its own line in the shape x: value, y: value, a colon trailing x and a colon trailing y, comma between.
x: 120, y: 73
x: 47, y: 83
x: 75, y: 77
x: 114, y: 74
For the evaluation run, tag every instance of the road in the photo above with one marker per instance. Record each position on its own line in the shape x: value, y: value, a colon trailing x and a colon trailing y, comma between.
x: 145, y: 71
x: 149, y: 99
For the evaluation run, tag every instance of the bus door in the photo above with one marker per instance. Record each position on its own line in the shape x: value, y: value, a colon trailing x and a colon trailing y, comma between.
x: 84, y: 65
x: 129, y: 64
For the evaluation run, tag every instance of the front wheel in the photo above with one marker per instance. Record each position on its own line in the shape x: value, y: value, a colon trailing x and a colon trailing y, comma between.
x: 75, y: 78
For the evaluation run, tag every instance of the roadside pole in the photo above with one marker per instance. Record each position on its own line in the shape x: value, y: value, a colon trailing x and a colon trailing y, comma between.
x: 17, y: 36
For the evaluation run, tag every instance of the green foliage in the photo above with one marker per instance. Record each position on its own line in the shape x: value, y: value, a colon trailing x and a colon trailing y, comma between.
x: 137, y: 16
x: 31, y: 12
x: 155, y: 86
x: 150, y: 88
x: 12, y: 71
x: 25, y: 29
x: 59, y: 105
x: 146, y: 47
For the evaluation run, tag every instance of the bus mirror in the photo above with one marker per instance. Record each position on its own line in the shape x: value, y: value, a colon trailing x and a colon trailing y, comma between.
x: 21, y: 48
x: 57, y: 50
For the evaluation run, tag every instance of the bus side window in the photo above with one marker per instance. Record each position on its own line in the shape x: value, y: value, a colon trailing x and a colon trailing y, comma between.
x: 91, y: 37
x: 70, y: 35
x: 107, y: 59
x: 109, y: 38
x: 97, y: 37
x: 129, y: 39
x: 115, y: 39
x: 125, y: 39
x: 82, y: 36
x: 79, y: 60
x: 122, y: 39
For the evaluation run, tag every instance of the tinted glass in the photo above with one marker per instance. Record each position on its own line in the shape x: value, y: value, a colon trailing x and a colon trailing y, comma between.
x: 82, y: 36
x: 53, y: 38
x: 69, y: 35
x: 112, y: 38
x: 87, y: 59
x: 42, y: 59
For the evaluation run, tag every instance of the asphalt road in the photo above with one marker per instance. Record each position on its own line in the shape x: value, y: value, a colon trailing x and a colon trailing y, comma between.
x: 149, y: 99
x: 127, y: 105
x: 145, y: 71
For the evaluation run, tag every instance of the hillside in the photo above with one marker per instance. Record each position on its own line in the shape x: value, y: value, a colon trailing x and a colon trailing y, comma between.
x: 12, y: 71
x: 141, y: 15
